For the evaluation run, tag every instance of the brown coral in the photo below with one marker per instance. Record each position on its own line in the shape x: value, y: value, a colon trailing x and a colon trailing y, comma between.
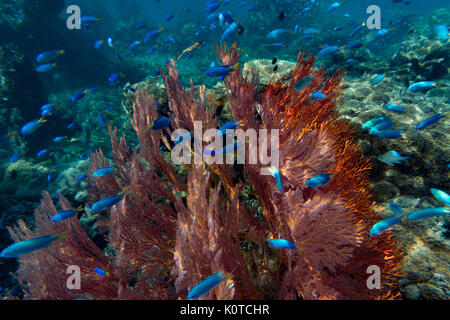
x: 160, y: 249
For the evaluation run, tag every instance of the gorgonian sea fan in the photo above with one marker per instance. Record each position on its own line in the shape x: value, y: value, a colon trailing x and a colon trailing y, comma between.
x: 160, y: 245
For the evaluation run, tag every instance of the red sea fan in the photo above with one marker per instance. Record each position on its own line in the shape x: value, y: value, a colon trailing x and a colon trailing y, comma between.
x: 161, y: 245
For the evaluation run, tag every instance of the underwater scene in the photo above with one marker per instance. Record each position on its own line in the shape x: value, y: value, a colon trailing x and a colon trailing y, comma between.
x: 224, y: 150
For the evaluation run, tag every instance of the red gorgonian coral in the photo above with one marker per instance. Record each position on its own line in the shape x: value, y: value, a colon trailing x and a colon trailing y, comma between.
x: 161, y: 245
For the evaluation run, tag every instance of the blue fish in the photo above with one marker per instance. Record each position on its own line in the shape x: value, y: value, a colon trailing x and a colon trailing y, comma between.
x: 421, y: 86
x: 151, y: 49
x: 81, y: 177
x: 428, y: 212
x: 110, y: 42
x: 140, y: 26
x: 78, y: 96
x: 58, y: 139
x: 228, y: 33
x: 98, y: 44
x: 113, y: 78
x: 103, y: 172
x: 318, y: 95
x: 276, y: 174
x: 49, y: 56
x: 230, y: 125
x: 221, y: 71
x: 41, y: 153
x: 134, y: 45
x: 377, y: 79
x: 160, y: 123
x: 48, y: 111
x: 45, y: 67
x: 46, y: 106
x: 225, y: 18
x: 383, y: 225
x: 31, y: 127
x: 355, y: 30
x: 389, y: 134
x: 26, y: 246
x: 305, y: 9
x: 318, y: 181
x: 394, y: 108
x: 63, y: 215
x: 282, y: 244
x: 106, y: 203
x: 335, y: 5
x: 207, y: 284
x: 87, y: 19
x: 169, y: 17
x: 101, y: 272
x: 380, y: 33
x: 431, y: 120
x: 310, y: 31
x: 392, y: 157
x: 71, y: 125
x: 374, y: 121
x: 212, y: 6
x: 153, y: 34
x: 355, y: 45
x: 276, y: 33
x: 303, y: 83
x: 441, y: 196
x: 212, y: 16
x: 15, y: 157
x: 328, y: 50
x: 170, y: 40
x: 101, y: 119
x: 382, y: 125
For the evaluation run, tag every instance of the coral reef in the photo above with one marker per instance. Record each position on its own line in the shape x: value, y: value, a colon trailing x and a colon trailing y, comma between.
x: 159, y: 245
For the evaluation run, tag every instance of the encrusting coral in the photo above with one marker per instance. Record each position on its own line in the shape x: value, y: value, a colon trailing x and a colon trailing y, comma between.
x: 160, y: 245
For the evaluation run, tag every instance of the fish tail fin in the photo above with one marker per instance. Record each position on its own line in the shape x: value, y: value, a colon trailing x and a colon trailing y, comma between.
x: 61, y: 52
x: 126, y: 191
x: 279, y: 183
x: 446, y: 115
x: 42, y: 120
x: 60, y: 236
x: 235, y: 67
x: 98, y: 19
x: 161, y: 29
x: 12, y: 134
x: 226, y: 275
